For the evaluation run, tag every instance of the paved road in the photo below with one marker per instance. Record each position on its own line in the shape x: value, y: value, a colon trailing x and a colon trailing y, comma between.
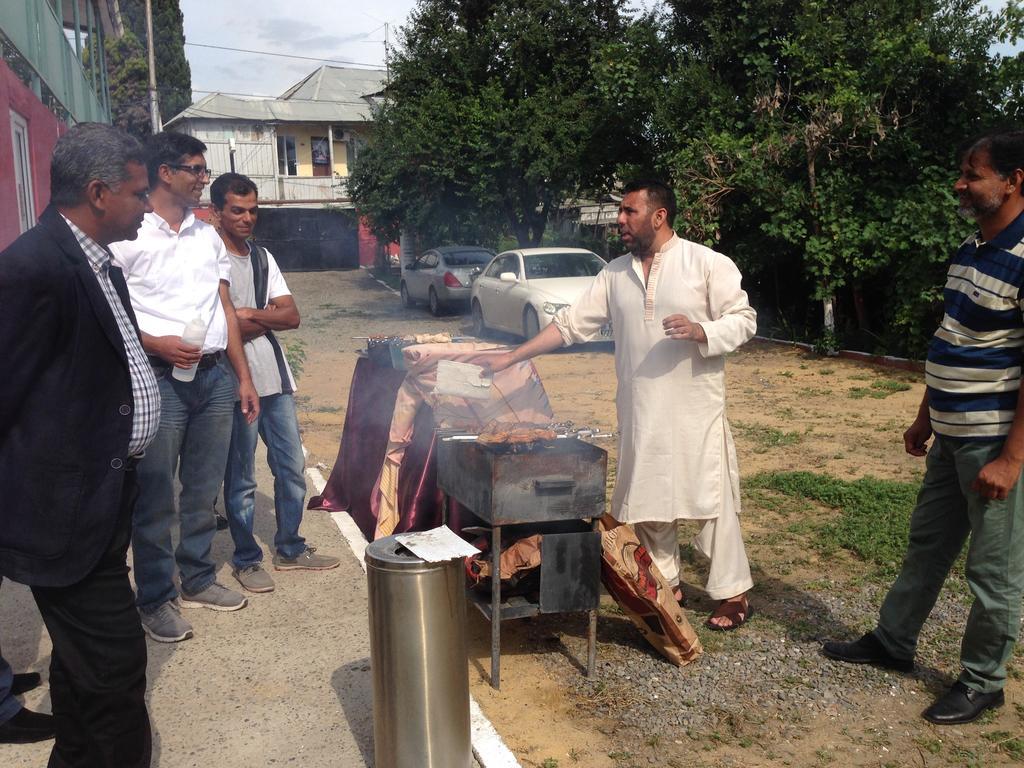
x: 285, y: 679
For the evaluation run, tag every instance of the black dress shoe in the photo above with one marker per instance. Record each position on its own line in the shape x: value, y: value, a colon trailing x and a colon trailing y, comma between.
x: 962, y: 705
x: 867, y: 650
x: 25, y: 727
x: 25, y: 681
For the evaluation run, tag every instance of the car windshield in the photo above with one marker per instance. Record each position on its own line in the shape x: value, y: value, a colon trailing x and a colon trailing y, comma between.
x: 468, y: 258
x: 544, y: 265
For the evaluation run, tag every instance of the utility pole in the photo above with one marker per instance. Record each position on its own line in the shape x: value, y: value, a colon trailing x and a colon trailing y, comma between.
x: 154, y: 108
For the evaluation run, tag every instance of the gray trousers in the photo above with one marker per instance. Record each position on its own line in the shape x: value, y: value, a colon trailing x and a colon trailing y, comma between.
x: 947, y: 512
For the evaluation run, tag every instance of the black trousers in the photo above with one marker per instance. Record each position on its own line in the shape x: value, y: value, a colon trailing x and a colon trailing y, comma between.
x: 98, y: 665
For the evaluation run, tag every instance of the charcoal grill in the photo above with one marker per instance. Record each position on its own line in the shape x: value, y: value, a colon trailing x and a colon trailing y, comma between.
x: 387, y: 352
x: 552, y: 487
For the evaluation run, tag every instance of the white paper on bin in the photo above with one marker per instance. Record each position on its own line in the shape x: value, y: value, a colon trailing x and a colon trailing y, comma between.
x: 437, y: 545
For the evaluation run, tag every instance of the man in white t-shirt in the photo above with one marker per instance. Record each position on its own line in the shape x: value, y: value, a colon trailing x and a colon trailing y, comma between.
x: 177, y: 270
x: 264, y: 305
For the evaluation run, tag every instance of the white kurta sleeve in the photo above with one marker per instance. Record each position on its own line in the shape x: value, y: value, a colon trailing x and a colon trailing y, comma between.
x: 734, y: 321
x: 582, y: 321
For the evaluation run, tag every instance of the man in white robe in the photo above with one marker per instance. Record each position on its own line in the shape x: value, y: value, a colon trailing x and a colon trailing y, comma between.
x: 677, y: 309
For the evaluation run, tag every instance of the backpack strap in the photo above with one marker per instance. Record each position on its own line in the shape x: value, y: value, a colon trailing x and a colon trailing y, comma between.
x: 261, y: 287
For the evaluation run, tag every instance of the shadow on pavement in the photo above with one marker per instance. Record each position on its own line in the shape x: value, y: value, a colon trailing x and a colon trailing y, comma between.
x: 353, y: 686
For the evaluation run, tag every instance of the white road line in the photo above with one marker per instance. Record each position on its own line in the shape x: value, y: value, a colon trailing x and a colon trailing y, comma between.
x: 374, y: 277
x: 488, y: 747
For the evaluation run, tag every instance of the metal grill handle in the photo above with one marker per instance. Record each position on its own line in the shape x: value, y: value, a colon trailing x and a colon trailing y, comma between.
x: 554, y: 484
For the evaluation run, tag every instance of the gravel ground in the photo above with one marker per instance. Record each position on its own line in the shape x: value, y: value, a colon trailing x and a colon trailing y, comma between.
x: 762, y: 687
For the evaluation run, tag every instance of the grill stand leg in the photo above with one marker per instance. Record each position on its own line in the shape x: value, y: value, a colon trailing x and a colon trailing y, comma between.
x: 496, y: 607
x: 592, y: 628
x: 592, y: 644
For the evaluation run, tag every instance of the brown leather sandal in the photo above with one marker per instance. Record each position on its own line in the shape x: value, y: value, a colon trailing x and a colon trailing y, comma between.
x: 738, y: 612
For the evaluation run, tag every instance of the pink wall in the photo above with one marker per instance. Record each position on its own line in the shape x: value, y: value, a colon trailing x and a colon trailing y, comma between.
x: 368, y: 246
x: 43, y: 130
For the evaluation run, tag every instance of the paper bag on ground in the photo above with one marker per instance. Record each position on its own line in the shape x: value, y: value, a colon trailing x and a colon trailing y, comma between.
x: 643, y: 594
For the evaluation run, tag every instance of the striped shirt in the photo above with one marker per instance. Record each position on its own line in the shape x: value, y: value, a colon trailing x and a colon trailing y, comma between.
x: 974, y: 361
x: 145, y: 391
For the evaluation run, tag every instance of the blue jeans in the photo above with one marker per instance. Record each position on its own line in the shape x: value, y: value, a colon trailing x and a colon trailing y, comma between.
x: 192, y: 442
x: 279, y: 428
x: 9, y: 706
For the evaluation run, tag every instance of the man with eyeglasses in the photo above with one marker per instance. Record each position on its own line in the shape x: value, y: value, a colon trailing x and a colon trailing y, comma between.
x: 178, y: 270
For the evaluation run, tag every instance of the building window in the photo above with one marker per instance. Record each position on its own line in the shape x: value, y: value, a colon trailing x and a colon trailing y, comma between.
x: 22, y: 172
x: 320, y: 151
x: 286, y: 162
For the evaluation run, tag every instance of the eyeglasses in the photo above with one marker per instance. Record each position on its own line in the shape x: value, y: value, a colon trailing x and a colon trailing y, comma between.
x: 199, y: 171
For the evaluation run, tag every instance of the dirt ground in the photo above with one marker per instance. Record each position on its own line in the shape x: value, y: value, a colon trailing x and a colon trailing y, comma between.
x: 789, y: 410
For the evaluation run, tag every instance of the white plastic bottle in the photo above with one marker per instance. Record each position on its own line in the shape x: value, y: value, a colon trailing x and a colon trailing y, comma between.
x: 194, y: 335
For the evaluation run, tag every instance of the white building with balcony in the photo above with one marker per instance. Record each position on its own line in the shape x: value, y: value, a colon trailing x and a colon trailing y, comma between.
x: 297, y: 148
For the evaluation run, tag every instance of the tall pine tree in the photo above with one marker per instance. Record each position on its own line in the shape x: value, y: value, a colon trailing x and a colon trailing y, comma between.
x: 173, y: 75
x: 128, y: 75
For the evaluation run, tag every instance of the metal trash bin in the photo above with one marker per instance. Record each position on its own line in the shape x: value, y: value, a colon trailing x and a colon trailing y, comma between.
x: 418, y: 656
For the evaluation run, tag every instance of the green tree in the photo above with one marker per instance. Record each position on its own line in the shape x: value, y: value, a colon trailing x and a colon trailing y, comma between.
x: 173, y: 75
x: 817, y: 139
x: 128, y: 77
x: 493, y: 117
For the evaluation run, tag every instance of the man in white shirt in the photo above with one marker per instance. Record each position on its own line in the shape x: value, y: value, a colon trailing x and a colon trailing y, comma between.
x: 178, y: 269
x: 677, y: 309
x: 263, y: 305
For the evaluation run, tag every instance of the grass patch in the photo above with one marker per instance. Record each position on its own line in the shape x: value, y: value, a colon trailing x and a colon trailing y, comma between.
x: 814, y: 392
x: 330, y: 312
x: 295, y: 354
x: 874, y: 514
x: 1007, y: 743
x: 765, y: 438
x: 879, y: 389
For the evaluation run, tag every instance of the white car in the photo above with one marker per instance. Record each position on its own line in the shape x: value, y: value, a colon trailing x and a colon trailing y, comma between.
x: 520, y: 291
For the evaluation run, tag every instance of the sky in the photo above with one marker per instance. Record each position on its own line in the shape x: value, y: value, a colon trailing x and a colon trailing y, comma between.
x: 345, y: 31
x: 341, y: 30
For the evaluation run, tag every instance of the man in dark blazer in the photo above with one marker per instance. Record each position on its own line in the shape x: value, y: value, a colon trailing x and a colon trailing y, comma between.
x: 78, y: 405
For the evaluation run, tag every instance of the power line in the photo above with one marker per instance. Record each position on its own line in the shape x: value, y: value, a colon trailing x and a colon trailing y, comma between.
x: 283, y: 55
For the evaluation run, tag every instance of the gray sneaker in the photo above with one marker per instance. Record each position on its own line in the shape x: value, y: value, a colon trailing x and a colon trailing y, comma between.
x: 308, y: 560
x: 165, y: 624
x: 216, y: 597
x: 254, y: 578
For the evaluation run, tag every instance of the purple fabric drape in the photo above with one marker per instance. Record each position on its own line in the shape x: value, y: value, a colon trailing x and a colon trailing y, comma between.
x: 364, y: 441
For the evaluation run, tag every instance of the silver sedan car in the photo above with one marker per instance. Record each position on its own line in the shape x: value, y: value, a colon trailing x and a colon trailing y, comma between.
x: 442, y: 276
x: 521, y: 290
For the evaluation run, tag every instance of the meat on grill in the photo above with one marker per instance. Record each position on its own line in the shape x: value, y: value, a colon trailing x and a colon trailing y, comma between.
x: 498, y: 433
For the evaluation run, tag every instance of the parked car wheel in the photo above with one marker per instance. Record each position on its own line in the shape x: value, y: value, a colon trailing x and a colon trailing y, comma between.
x: 531, y: 325
x: 479, y: 326
x: 406, y: 298
x: 436, y: 307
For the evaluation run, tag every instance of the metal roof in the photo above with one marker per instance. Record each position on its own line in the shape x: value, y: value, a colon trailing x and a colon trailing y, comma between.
x: 337, y: 84
x: 329, y: 94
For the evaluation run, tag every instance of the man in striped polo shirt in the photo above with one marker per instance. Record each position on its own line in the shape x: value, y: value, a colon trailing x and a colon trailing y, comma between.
x: 972, y: 484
